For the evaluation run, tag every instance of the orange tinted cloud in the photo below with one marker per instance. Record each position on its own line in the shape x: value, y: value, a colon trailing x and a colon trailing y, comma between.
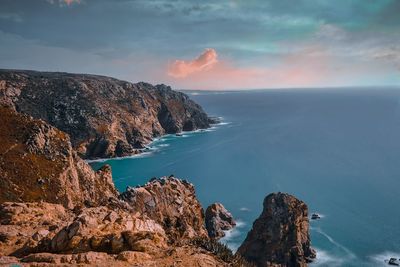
x: 64, y: 2
x: 69, y: 2
x: 205, y: 72
x: 182, y: 69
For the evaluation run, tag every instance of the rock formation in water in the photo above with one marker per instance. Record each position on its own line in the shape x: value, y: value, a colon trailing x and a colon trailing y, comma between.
x: 280, y: 236
x: 37, y: 163
x: 218, y: 220
x: 104, y: 117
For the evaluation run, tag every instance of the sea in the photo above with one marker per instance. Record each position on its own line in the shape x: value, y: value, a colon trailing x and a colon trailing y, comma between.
x: 338, y: 150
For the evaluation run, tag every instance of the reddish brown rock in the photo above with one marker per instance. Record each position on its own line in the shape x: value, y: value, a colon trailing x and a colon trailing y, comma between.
x: 218, y: 220
x: 38, y: 163
x: 280, y: 236
x: 172, y: 203
x: 104, y: 117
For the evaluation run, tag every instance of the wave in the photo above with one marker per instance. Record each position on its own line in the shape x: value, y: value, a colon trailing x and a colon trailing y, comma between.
x: 382, y: 258
x: 163, y: 145
x: 141, y: 155
x: 349, y: 253
x: 324, y: 258
x: 230, y: 238
x: 244, y: 209
x: 156, y: 144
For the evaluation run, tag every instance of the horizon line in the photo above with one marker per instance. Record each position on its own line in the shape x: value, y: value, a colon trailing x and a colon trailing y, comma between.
x: 209, y: 90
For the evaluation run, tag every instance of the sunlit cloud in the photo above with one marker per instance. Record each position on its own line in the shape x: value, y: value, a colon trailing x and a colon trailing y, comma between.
x: 182, y: 68
x: 64, y: 2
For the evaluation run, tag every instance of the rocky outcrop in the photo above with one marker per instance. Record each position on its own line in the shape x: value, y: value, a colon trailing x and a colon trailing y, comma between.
x: 104, y: 117
x: 172, y: 203
x: 37, y: 163
x: 280, y: 236
x: 218, y: 220
x: 44, y: 233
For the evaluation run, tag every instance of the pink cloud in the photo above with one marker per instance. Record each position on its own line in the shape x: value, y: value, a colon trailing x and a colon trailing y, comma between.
x: 204, y: 62
x: 206, y: 72
x: 69, y: 2
x: 64, y: 2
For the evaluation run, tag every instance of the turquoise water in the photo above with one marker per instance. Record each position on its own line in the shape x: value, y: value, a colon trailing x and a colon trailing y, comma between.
x: 338, y: 150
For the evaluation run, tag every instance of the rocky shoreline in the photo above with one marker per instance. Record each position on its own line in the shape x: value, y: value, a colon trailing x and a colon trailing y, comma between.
x: 103, y: 116
x: 56, y: 211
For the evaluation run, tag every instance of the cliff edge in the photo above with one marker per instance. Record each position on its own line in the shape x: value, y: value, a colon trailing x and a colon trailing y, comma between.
x: 104, y: 117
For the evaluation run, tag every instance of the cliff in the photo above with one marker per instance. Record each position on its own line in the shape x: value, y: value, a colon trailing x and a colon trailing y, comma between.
x: 280, y: 236
x: 55, y: 210
x: 37, y: 163
x: 104, y: 117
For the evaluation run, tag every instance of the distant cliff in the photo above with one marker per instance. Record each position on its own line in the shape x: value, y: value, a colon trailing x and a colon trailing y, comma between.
x: 104, y: 117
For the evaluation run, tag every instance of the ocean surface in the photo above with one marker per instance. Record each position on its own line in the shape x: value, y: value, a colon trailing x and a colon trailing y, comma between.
x: 336, y: 149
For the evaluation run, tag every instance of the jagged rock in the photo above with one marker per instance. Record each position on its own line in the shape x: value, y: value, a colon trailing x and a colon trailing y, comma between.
x: 8, y: 261
x: 98, y: 236
x: 218, y: 220
x: 280, y: 236
x: 38, y: 163
x: 133, y: 256
x: 90, y: 258
x: 91, y: 230
x: 172, y: 203
x: 105, y: 117
x: 25, y: 225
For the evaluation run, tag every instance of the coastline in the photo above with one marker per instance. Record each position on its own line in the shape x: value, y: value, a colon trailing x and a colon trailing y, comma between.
x: 150, y: 148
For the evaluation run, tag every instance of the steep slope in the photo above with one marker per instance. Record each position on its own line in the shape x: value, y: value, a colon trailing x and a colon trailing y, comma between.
x: 173, y: 204
x: 280, y: 236
x: 37, y: 163
x: 104, y: 117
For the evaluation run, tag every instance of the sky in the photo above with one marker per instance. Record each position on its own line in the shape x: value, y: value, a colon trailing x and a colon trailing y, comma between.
x: 213, y: 45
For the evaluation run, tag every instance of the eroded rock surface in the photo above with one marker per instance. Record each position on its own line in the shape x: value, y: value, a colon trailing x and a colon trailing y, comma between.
x: 172, y: 203
x: 38, y: 163
x: 36, y: 234
x: 280, y: 236
x: 218, y: 220
x: 104, y: 117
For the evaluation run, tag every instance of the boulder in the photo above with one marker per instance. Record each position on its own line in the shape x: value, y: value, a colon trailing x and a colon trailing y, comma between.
x: 218, y: 220
x: 171, y: 203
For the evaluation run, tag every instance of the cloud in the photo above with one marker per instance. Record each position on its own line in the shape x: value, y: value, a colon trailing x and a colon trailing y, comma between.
x: 312, y: 66
x: 11, y: 16
x: 64, y: 2
x: 182, y: 69
x: 206, y: 72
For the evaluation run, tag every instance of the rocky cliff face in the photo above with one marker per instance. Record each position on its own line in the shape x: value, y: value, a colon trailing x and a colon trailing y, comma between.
x: 218, y: 220
x: 280, y: 236
x: 37, y: 163
x: 44, y: 233
x: 173, y: 204
x: 104, y: 117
